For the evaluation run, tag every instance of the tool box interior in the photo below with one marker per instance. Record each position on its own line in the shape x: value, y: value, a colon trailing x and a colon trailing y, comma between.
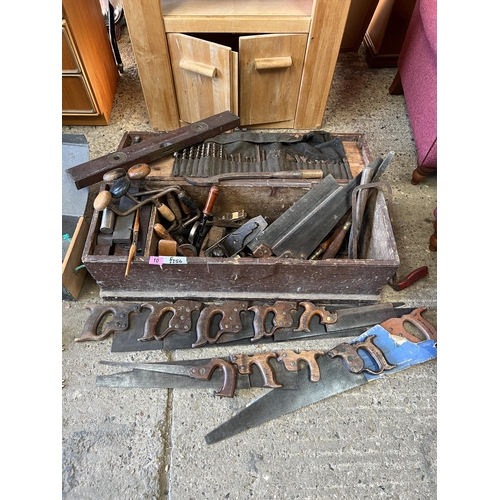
x: 243, y: 276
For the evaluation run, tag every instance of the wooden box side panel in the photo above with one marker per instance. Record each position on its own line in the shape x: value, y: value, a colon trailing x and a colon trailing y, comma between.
x: 378, y: 240
x: 206, y: 278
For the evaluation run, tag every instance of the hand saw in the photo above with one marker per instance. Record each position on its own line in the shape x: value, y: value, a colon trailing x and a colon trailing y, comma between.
x: 272, y: 369
x: 236, y: 372
x: 299, y: 230
x: 167, y: 326
x: 385, y: 348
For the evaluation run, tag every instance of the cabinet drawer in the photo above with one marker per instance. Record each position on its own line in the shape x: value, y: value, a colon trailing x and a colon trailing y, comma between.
x: 69, y: 59
x: 76, y: 97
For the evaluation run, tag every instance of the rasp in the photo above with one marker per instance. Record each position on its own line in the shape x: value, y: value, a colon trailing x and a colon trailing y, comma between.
x: 384, y: 348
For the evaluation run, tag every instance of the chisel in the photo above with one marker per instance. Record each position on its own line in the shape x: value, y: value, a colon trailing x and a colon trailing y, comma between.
x: 133, y: 247
x: 198, y: 230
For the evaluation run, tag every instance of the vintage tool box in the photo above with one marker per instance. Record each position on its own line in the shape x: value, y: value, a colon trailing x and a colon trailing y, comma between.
x: 211, y: 278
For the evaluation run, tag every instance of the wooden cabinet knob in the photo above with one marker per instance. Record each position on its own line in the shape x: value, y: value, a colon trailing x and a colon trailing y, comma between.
x: 199, y: 68
x: 273, y: 62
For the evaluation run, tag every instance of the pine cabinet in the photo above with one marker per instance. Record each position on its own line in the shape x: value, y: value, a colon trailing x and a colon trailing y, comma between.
x: 89, y: 71
x: 269, y: 61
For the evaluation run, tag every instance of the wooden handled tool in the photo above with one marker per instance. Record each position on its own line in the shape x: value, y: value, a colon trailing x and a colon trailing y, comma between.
x: 206, y: 213
x: 133, y: 247
x: 284, y: 174
x: 339, y: 236
x: 209, y: 205
x: 320, y: 250
x: 167, y: 246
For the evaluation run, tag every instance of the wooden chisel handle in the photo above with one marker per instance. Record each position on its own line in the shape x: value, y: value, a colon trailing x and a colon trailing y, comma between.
x: 212, y: 197
x: 340, y: 233
x: 133, y: 247
x: 160, y: 230
x: 164, y: 210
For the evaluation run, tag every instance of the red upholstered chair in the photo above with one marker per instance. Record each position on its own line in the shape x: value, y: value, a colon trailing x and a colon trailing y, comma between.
x: 417, y: 79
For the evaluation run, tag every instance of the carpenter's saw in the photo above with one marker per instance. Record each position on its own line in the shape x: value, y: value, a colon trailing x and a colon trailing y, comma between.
x: 383, y: 349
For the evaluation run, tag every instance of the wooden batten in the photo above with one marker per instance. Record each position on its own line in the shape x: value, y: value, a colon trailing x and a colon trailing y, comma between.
x: 72, y: 282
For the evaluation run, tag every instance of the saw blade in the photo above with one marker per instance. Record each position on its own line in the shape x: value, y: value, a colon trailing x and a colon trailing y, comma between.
x: 161, y: 375
x: 352, y: 321
x: 397, y: 354
x: 334, y: 379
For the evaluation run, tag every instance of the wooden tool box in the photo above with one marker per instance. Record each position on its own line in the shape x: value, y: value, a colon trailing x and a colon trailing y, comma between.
x: 210, y: 278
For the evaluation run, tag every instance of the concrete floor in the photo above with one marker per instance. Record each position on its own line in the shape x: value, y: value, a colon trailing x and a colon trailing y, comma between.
x: 376, y: 441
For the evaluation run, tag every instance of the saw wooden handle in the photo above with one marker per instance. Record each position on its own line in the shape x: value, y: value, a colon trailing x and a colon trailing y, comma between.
x: 395, y: 326
x: 282, y: 317
x: 310, y: 310
x: 291, y: 361
x: 244, y: 363
x: 204, y: 372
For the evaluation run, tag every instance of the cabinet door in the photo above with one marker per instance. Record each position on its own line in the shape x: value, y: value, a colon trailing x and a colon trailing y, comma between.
x: 270, y: 74
x: 203, y: 77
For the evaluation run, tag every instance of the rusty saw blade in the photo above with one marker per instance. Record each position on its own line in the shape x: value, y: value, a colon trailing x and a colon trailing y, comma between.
x: 177, y: 375
x: 304, y: 322
x: 346, y: 366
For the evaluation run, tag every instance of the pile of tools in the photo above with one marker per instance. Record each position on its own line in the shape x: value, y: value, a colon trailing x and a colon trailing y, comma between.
x: 328, y: 218
x: 315, y: 227
x: 138, y: 216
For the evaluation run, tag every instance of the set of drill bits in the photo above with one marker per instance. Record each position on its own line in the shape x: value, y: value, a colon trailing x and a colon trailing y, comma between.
x: 243, y: 152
